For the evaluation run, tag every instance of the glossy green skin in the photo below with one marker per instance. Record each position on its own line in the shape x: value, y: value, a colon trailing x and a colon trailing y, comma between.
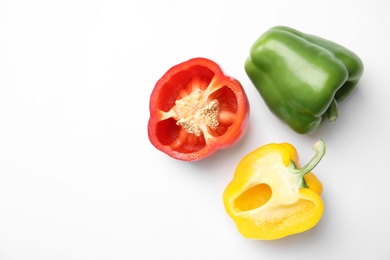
x: 299, y: 76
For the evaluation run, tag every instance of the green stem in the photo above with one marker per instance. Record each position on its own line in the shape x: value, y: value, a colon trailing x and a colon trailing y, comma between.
x: 320, y: 149
x: 333, y: 111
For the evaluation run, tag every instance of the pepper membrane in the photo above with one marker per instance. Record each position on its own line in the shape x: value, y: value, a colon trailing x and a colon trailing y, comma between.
x: 195, y: 109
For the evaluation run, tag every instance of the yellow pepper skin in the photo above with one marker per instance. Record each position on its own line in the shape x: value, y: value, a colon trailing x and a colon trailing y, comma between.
x: 271, y: 196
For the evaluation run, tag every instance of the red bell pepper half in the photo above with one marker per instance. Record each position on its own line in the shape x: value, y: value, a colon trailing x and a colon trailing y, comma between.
x: 195, y: 109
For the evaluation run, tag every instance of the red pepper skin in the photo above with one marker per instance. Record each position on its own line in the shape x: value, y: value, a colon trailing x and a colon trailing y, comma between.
x: 197, y: 83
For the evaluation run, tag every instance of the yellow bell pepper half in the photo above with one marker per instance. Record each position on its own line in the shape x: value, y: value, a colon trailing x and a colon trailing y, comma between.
x: 271, y: 196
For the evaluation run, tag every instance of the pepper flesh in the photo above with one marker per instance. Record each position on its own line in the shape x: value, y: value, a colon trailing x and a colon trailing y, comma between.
x: 302, y: 77
x: 271, y: 196
x: 195, y: 109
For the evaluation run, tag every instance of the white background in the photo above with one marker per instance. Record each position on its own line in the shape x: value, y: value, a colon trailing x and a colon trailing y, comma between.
x: 79, y: 178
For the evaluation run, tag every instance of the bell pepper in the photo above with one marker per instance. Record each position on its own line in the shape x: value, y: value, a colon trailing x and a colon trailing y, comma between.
x: 271, y: 196
x: 302, y: 77
x: 195, y: 109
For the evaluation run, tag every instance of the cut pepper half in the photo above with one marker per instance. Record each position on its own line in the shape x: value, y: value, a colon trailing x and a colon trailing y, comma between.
x: 271, y: 196
x: 195, y: 109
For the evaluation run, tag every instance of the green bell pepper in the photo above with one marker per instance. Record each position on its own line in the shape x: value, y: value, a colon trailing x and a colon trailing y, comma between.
x: 302, y: 77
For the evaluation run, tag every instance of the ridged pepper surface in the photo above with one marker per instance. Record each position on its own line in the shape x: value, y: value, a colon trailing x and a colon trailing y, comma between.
x: 302, y: 77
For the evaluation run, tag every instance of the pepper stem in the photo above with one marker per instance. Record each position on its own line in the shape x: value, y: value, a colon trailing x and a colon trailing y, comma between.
x: 333, y: 111
x: 320, y: 149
